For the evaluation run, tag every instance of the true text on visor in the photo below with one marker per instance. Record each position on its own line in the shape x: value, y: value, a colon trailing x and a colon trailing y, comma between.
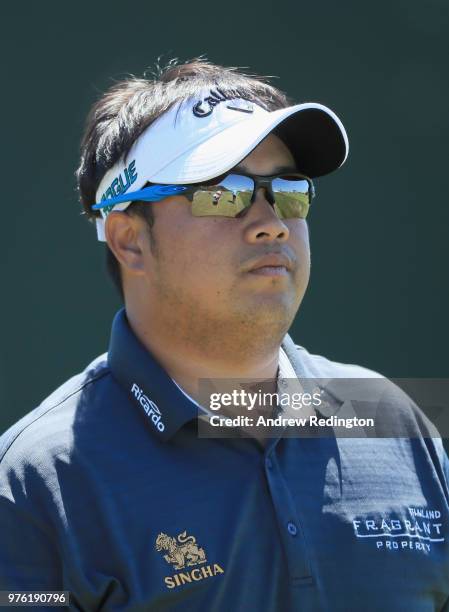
x: 120, y: 184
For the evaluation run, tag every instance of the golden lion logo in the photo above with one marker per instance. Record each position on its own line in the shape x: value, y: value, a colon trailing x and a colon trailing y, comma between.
x: 181, y: 551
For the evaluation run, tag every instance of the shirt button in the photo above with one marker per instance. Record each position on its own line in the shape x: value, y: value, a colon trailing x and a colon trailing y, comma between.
x: 269, y: 463
x: 292, y: 529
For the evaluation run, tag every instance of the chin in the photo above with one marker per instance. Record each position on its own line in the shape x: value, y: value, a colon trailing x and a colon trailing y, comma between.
x: 271, y: 311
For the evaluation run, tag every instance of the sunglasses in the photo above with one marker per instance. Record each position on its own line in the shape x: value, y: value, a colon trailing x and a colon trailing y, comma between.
x: 232, y: 194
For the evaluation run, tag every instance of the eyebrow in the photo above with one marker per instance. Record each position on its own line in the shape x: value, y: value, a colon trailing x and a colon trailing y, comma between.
x: 276, y: 170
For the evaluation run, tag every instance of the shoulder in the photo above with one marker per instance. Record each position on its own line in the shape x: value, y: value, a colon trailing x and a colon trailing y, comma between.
x: 317, y: 366
x: 359, y: 385
x: 47, y: 429
x: 396, y: 414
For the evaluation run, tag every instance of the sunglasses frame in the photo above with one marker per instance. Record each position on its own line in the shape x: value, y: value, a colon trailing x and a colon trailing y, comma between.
x: 152, y: 192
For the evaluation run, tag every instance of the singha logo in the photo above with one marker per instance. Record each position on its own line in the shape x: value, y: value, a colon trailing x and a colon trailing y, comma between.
x: 182, y: 550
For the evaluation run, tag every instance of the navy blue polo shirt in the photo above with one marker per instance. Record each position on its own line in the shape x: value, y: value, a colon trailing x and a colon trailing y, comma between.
x: 107, y: 491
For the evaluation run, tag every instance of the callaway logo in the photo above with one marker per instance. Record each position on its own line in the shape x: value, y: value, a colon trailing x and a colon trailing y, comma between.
x: 150, y: 407
x: 205, y: 107
x: 183, y: 552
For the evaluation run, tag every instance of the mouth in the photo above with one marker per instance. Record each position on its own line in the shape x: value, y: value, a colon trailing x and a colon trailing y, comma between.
x: 270, y: 271
x: 276, y: 264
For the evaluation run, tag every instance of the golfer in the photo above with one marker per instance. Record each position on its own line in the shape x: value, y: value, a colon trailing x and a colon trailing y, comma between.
x: 118, y: 488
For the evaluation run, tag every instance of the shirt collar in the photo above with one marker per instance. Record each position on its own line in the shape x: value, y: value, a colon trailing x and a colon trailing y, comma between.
x: 148, y: 386
x: 285, y: 371
x: 162, y: 402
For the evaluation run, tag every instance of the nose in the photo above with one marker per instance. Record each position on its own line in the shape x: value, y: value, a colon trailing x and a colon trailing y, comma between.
x: 262, y: 223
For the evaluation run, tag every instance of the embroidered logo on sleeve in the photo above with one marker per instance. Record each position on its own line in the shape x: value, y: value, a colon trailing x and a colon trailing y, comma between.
x: 183, y: 552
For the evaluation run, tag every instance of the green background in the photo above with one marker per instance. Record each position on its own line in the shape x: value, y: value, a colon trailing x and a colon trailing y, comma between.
x: 379, y: 288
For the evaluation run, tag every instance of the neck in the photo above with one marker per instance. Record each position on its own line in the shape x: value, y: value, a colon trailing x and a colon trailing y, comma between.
x: 188, y: 357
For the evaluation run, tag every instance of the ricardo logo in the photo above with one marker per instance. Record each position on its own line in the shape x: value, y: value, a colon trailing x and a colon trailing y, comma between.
x: 150, y: 407
x: 183, y: 552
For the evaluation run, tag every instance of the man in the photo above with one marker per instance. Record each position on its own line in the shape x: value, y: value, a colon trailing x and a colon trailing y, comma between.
x: 108, y: 490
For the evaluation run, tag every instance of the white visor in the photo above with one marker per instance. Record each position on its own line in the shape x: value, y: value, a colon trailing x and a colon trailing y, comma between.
x: 201, y: 138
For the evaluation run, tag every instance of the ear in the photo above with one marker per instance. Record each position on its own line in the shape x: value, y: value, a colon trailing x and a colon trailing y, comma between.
x: 124, y: 235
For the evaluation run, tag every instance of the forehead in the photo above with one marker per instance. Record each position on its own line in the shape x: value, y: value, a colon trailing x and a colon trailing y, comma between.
x: 270, y: 156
